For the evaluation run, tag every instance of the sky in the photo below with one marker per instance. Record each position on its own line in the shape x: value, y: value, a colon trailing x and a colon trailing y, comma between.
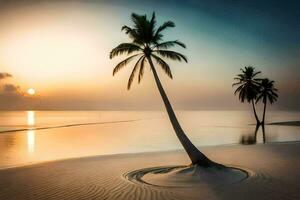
x: 61, y: 49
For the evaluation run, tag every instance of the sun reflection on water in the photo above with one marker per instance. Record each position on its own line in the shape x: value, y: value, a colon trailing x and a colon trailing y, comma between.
x: 30, y: 141
x: 30, y: 118
x: 30, y: 133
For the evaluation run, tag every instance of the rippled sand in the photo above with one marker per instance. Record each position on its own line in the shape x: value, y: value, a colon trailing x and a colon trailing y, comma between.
x: 274, y: 175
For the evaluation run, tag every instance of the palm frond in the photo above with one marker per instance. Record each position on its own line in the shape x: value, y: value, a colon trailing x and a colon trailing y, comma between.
x: 168, y: 24
x: 274, y: 92
x: 237, y: 83
x: 158, y: 36
x: 171, y: 55
x: 138, y: 20
x: 141, y: 26
x: 151, y: 28
x: 133, y: 72
x: 123, y: 63
x: 124, y: 48
x: 238, y: 89
x: 163, y: 65
x: 136, y: 39
x: 267, y: 91
x: 127, y: 29
x: 141, y: 72
x: 259, y: 97
x: 168, y: 44
x: 256, y: 73
x: 242, y: 95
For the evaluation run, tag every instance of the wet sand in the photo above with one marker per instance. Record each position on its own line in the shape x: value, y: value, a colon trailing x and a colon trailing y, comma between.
x: 274, y: 175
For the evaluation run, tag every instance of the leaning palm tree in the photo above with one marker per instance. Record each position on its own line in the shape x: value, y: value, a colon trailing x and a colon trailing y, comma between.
x: 146, y: 46
x: 267, y: 92
x: 248, y: 87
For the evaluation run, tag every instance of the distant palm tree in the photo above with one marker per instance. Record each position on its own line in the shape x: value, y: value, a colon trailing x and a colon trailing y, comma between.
x: 248, y: 87
x: 267, y: 92
x: 147, y: 42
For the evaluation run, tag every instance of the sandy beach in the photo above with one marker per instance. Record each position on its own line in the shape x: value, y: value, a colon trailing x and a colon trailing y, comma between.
x: 273, y: 174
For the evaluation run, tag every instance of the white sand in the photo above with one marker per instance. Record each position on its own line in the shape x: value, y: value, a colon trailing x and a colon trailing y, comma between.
x: 275, y: 175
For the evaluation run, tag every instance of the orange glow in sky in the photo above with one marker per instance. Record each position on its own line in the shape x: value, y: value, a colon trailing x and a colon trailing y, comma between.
x: 62, y: 49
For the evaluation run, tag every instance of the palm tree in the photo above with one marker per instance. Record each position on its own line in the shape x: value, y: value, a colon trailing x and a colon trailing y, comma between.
x: 267, y: 92
x: 248, y: 87
x: 148, y: 45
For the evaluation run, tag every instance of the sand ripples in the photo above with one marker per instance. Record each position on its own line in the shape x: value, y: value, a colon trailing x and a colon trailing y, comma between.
x: 187, y: 176
x: 66, y: 181
x: 103, y: 177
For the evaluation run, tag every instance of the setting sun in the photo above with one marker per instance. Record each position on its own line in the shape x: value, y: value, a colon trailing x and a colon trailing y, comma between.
x: 31, y: 91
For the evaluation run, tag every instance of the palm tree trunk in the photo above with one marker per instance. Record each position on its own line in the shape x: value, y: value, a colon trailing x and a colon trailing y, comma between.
x: 255, y: 114
x: 195, y: 155
x: 263, y: 132
x: 255, y: 134
x: 264, y: 113
x: 263, y: 122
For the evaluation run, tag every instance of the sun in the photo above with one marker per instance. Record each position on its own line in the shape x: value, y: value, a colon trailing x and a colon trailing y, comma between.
x: 31, y: 91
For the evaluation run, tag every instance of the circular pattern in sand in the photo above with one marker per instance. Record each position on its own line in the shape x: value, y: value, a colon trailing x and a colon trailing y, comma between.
x: 187, y: 176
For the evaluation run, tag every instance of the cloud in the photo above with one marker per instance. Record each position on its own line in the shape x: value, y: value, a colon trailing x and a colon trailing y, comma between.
x: 11, y: 96
x: 5, y: 75
x: 11, y: 88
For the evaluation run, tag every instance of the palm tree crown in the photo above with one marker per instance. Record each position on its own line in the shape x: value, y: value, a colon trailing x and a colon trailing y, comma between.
x: 248, y: 84
x: 146, y: 41
x: 267, y: 91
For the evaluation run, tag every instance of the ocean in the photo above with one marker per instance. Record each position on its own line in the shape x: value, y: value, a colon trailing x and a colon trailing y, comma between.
x: 28, y: 137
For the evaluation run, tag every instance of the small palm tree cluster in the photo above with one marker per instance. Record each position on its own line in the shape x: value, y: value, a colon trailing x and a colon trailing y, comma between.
x: 252, y: 89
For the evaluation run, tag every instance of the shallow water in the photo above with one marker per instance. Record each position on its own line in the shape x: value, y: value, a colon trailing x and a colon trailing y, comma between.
x: 52, y: 135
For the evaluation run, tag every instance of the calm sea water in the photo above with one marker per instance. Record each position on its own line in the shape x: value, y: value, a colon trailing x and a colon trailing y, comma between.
x: 35, y: 136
